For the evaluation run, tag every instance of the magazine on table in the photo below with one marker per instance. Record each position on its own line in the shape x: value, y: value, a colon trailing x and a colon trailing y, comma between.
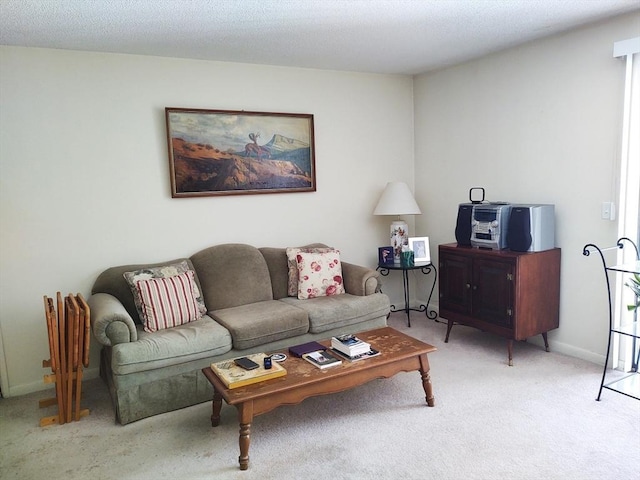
x: 322, y: 359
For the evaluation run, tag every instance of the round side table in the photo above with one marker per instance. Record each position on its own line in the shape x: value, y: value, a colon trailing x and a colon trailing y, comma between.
x: 426, y: 268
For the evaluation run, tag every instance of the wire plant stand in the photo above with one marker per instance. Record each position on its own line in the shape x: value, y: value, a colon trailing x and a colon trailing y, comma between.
x: 629, y: 384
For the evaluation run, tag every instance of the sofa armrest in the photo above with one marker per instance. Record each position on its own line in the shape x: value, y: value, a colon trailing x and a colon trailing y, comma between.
x: 110, y: 321
x: 360, y: 280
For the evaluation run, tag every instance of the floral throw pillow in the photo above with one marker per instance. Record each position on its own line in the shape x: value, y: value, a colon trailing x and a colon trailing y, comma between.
x: 319, y: 274
x: 164, y: 271
x: 292, y: 263
x: 168, y: 302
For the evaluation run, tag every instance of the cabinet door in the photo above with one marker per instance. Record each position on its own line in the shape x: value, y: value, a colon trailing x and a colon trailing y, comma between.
x: 455, y: 283
x: 493, y: 291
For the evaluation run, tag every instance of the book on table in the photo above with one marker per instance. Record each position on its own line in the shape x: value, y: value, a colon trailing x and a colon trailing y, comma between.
x: 350, y: 345
x: 234, y: 376
x: 300, y: 350
x: 322, y: 359
x: 354, y: 358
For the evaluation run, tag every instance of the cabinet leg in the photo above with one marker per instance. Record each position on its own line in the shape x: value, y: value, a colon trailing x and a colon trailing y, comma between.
x: 449, y: 326
x: 546, y: 341
x: 510, y: 351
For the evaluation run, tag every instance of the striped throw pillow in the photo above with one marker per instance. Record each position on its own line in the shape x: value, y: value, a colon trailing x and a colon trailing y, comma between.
x: 168, y: 302
x: 162, y: 271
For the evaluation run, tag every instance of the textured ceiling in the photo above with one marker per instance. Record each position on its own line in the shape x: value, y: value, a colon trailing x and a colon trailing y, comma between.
x: 382, y: 36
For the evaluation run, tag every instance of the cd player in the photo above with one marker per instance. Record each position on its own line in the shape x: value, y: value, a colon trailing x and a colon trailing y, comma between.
x: 489, y: 225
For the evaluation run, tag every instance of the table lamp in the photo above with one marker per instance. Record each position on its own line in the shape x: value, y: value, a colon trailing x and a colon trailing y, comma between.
x: 396, y: 199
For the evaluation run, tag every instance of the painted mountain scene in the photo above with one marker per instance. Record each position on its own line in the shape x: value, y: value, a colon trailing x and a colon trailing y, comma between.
x: 222, y: 153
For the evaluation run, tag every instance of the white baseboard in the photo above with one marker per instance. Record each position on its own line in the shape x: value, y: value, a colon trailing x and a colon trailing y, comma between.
x: 560, y: 347
x: 570, y: 350
x: 88, y: 374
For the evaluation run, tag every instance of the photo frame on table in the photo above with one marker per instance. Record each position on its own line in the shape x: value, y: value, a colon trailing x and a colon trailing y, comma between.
x: 385, y: 255
x: 420, y: 248
x: 232, y: 152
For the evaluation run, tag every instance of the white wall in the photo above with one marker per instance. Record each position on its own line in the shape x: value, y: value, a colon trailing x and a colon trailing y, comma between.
x: 84, y: 180
x: 534, y: 124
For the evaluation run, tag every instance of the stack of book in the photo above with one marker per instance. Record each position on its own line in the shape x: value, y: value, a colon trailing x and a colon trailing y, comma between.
x: 322, y: 359
x: 350, y: 345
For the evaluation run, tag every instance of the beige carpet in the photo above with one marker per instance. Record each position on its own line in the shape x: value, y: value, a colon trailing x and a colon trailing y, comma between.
x: 535, y: 420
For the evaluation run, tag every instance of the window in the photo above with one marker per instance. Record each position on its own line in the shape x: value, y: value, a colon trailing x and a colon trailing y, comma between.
x: 629, y: 199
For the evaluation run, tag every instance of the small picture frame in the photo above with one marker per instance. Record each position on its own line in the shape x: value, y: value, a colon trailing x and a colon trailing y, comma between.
x: 420, y: 247
x: 385, y: 255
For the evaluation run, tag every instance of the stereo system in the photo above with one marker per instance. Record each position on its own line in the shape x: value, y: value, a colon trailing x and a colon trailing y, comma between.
x: 500, y: 225
x: 489, y: 224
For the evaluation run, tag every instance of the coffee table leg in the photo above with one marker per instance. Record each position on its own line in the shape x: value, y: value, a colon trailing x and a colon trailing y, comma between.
x: 217, y: 406
x: 426, y: 380
x: 245, y: 414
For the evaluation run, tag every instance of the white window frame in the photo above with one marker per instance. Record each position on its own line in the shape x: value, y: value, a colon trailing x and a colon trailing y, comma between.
x: 629, y: 189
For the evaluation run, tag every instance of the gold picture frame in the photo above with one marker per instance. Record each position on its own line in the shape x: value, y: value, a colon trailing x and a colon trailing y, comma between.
x: 232, y: 152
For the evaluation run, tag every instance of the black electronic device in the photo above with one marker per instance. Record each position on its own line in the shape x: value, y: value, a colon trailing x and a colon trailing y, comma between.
x: 519, y: 233
x: 463, y: 224
x: 267, y: 363
x: 246, y: 363
x: 465, y: 210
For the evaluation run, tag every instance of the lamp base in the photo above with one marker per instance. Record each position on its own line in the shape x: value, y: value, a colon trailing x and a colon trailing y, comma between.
x: 399, y: 237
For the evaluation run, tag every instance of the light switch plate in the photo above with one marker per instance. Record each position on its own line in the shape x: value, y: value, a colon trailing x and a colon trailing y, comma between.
x: 608, y: 211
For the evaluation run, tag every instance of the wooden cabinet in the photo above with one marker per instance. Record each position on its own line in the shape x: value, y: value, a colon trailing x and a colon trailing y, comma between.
x: 512, y: 294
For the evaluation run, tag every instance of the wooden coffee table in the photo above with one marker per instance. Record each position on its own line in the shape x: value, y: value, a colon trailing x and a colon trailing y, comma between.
x: 398, y: 353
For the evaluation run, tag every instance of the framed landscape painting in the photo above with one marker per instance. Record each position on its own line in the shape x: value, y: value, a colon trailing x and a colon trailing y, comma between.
x: 228, y: 152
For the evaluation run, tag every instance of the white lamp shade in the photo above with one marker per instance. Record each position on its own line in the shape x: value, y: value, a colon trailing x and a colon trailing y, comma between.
x: 397, y: 200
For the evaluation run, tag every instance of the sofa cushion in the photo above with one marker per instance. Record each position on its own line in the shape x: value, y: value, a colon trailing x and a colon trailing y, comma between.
x: 168, y: 302
x: 202, y: 338
x: 231, y: 275
x: 262, y: 322
x: 319, y: 274
x: 335, y: 311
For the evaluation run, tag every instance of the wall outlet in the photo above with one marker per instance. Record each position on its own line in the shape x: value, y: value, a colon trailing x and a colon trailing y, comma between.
x: 608, y: 211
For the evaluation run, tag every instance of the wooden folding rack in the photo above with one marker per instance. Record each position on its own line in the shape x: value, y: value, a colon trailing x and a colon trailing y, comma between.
x: 68, y: 331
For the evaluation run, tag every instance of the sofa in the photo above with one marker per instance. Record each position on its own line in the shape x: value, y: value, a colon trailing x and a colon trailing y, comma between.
x: 244, y: 301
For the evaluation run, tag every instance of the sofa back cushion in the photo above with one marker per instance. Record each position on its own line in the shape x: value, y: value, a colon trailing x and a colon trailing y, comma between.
x: 113, y: 282
x: 232, y: 274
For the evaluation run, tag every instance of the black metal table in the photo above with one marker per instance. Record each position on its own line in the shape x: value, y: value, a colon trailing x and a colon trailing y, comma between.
x: 426, y: 268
